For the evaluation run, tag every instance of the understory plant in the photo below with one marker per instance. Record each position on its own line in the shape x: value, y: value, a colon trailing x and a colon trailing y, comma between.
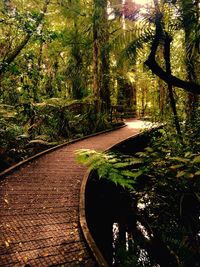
x: 29, y: 128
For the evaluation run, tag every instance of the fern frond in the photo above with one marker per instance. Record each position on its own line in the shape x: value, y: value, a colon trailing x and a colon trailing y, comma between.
x: 110, y: 166
x: 133, y: 48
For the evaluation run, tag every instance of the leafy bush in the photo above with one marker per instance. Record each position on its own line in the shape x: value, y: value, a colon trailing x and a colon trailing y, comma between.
x: 110, y: 166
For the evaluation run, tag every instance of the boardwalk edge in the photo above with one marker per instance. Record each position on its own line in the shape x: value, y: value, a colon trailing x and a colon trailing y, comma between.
x: 21, y: 163
x: 84, y: 226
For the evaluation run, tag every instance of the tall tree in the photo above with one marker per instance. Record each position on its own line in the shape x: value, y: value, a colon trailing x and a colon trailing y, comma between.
x: 101, y: 58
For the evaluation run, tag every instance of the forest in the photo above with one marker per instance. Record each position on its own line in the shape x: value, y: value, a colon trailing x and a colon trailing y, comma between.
x: 70, y: 68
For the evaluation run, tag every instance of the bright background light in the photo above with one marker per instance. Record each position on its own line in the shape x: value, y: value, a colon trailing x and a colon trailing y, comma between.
x: 143, y: 2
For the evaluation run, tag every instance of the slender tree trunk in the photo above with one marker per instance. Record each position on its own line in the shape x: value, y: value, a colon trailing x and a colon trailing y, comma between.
x: 77, y: 79
x: 101, y: 61
x: 104, y: 60
x: 162, y: 94
x: 161, y: 97
x: 36, y: 80
x: 134, y: 102
x: 96, y: 85
x: 143, y: 103
x: 95, y: 65
x: 170, y: 90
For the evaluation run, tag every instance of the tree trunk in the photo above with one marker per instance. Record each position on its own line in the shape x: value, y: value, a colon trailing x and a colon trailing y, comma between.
x: 101, y: 61
x: 95, y: 66
x: 170, y: 90
x: 161, y: 97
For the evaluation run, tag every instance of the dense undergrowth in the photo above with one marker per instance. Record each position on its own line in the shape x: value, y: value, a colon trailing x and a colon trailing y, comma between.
x: 27, y: 129
x: 164, y: 184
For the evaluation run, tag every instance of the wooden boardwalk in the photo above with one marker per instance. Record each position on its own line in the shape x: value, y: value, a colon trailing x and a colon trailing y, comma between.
x: 39, y: 207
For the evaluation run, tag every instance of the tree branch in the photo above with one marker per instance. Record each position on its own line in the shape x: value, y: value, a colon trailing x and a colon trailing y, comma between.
x: 168, y: 78
x: 11, y: 57
x: 157, y: 70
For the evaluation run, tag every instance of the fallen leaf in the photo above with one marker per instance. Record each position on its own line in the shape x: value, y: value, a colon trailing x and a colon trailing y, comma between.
x: 7, y: 243
x: 6, y: 200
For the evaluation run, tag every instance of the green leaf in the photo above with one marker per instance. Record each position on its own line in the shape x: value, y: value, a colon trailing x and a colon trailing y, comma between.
x: 174, y: 167
x: 132, y: 174
x: 149, y: 149
x: 190, y: 175
x: 119, y: 179
x: 188, y: 154
x: 141, y: 154
x: 103, y: 171
x: 196, y: 159
x: 126, y: 164
x: 180, y: 159
x: 180, y: 174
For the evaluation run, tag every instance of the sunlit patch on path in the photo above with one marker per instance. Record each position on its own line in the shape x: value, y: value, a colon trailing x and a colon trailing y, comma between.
x: 137, y: 124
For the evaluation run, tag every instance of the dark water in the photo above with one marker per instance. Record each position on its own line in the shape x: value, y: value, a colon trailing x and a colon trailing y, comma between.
x: 110, y: 209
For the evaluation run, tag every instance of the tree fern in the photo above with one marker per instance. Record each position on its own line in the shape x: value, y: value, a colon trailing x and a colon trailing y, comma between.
x: 111, y: 166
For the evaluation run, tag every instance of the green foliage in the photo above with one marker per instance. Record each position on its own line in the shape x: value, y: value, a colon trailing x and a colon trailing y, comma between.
x: 141, y: 36
x: 129, y: 257
x: 164, y: 178
x: 171, y: 187
x: 28, y: 128
x: 110, y: 166
x: 12, y: 138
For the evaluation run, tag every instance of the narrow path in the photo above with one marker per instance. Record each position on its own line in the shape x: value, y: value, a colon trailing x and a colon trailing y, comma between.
x: 39, y: 207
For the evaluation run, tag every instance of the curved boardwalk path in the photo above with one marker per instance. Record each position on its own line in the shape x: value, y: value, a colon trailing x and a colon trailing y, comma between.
x: 39, y: 207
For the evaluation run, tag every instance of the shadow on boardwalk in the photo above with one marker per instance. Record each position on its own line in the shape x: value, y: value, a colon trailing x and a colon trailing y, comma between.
x: 39, y: 202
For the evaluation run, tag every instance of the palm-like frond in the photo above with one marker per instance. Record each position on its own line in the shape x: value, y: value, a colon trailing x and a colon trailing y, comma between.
x: 132, y: 43
x: 133, y: 36
x: 112, y: 167
x: 134, y: 47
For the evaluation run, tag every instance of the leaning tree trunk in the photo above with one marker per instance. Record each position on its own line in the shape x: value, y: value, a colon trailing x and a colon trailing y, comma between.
x: 166, y: 75
x: 170, y: 89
